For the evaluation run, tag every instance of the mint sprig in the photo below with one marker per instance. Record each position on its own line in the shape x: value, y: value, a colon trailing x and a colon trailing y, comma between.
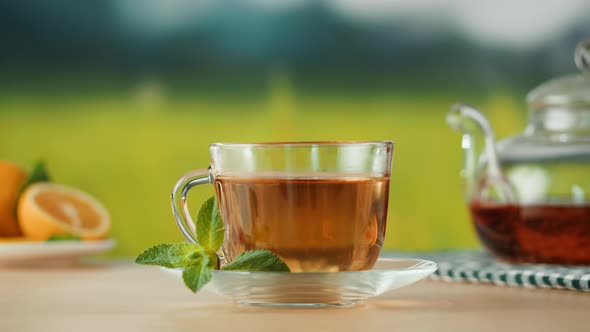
x: 38, y: 174
x: 210, y: 226
x: 257, y: 260
x: 197, y: 260
x: 196, y: 276
x: 63, y: 237
x: 173, y: 255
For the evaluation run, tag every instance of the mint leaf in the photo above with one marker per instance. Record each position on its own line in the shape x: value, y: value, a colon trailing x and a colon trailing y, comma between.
x: 193, y: 258
x: 173, y: 255
x: 213, y: 260
x: 63, y: 237
x: 197, y: 276
x: 38, y: 174
x: 209, y: 226
x: 257, y: 260
x: 197, y: 260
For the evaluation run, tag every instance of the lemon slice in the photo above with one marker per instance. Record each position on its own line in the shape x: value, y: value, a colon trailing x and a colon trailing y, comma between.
x: 48, y: 209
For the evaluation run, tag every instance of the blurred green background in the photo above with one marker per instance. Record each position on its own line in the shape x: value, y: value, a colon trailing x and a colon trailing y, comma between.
x: 121, y: 98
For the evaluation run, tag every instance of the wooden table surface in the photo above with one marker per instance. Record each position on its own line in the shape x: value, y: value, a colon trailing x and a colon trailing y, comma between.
x: 125, y: 297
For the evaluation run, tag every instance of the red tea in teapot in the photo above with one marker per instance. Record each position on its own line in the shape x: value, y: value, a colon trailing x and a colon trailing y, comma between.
x: 558, y: 234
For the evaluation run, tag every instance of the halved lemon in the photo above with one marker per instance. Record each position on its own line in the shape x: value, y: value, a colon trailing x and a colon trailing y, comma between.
x: 13, y: 239
x: 11, y: 178
x: 48, y: 209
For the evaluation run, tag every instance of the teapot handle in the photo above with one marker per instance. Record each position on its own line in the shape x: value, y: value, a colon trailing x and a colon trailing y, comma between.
x: 494, y: 186
x: 582, y: 55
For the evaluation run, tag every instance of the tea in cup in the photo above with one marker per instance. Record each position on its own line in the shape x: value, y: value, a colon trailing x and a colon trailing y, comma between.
x: 320, y: 206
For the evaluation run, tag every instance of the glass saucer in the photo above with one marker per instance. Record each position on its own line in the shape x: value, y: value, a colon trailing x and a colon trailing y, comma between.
x: 317, y: 289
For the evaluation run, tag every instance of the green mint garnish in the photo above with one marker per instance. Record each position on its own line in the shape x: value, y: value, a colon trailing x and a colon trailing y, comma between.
x: 63, y: 237
x: 173, y: 255
x: 198, y: 260
x: 257, y: 260
x: 213, y: 260
x: 38, y: 174
x: 209, y: 226
x: 191, y: 257
x: 196, y: 276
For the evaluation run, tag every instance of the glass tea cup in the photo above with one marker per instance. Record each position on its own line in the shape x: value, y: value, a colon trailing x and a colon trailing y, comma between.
x: 320, y: 206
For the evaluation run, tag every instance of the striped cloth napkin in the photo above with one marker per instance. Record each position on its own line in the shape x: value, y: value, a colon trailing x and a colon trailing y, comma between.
x: 478, y: 266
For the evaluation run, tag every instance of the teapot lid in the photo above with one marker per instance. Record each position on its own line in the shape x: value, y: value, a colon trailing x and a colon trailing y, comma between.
x: 570, y: 91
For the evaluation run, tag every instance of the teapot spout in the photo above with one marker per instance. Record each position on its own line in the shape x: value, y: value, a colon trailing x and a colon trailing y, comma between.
x: 482, y: 185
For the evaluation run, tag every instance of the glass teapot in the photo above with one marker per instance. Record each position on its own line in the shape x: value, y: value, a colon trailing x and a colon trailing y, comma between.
x: 529, y: 194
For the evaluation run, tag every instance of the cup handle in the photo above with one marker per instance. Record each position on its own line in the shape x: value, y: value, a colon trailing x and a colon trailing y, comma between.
x: 179, y: 205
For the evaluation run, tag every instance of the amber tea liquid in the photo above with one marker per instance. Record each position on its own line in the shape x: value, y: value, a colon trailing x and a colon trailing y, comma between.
x: 313, y: 224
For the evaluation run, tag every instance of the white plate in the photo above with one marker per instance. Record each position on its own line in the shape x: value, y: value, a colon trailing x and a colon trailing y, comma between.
x: 316, y: 289
x: 31, y: 252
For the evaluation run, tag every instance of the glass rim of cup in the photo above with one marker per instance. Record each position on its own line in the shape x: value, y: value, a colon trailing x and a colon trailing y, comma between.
x: 303, y: 144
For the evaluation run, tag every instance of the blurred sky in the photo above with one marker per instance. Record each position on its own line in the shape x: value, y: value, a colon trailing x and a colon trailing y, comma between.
x: 469, y: 43
x: 515, y: 24
x: 501, y: 22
